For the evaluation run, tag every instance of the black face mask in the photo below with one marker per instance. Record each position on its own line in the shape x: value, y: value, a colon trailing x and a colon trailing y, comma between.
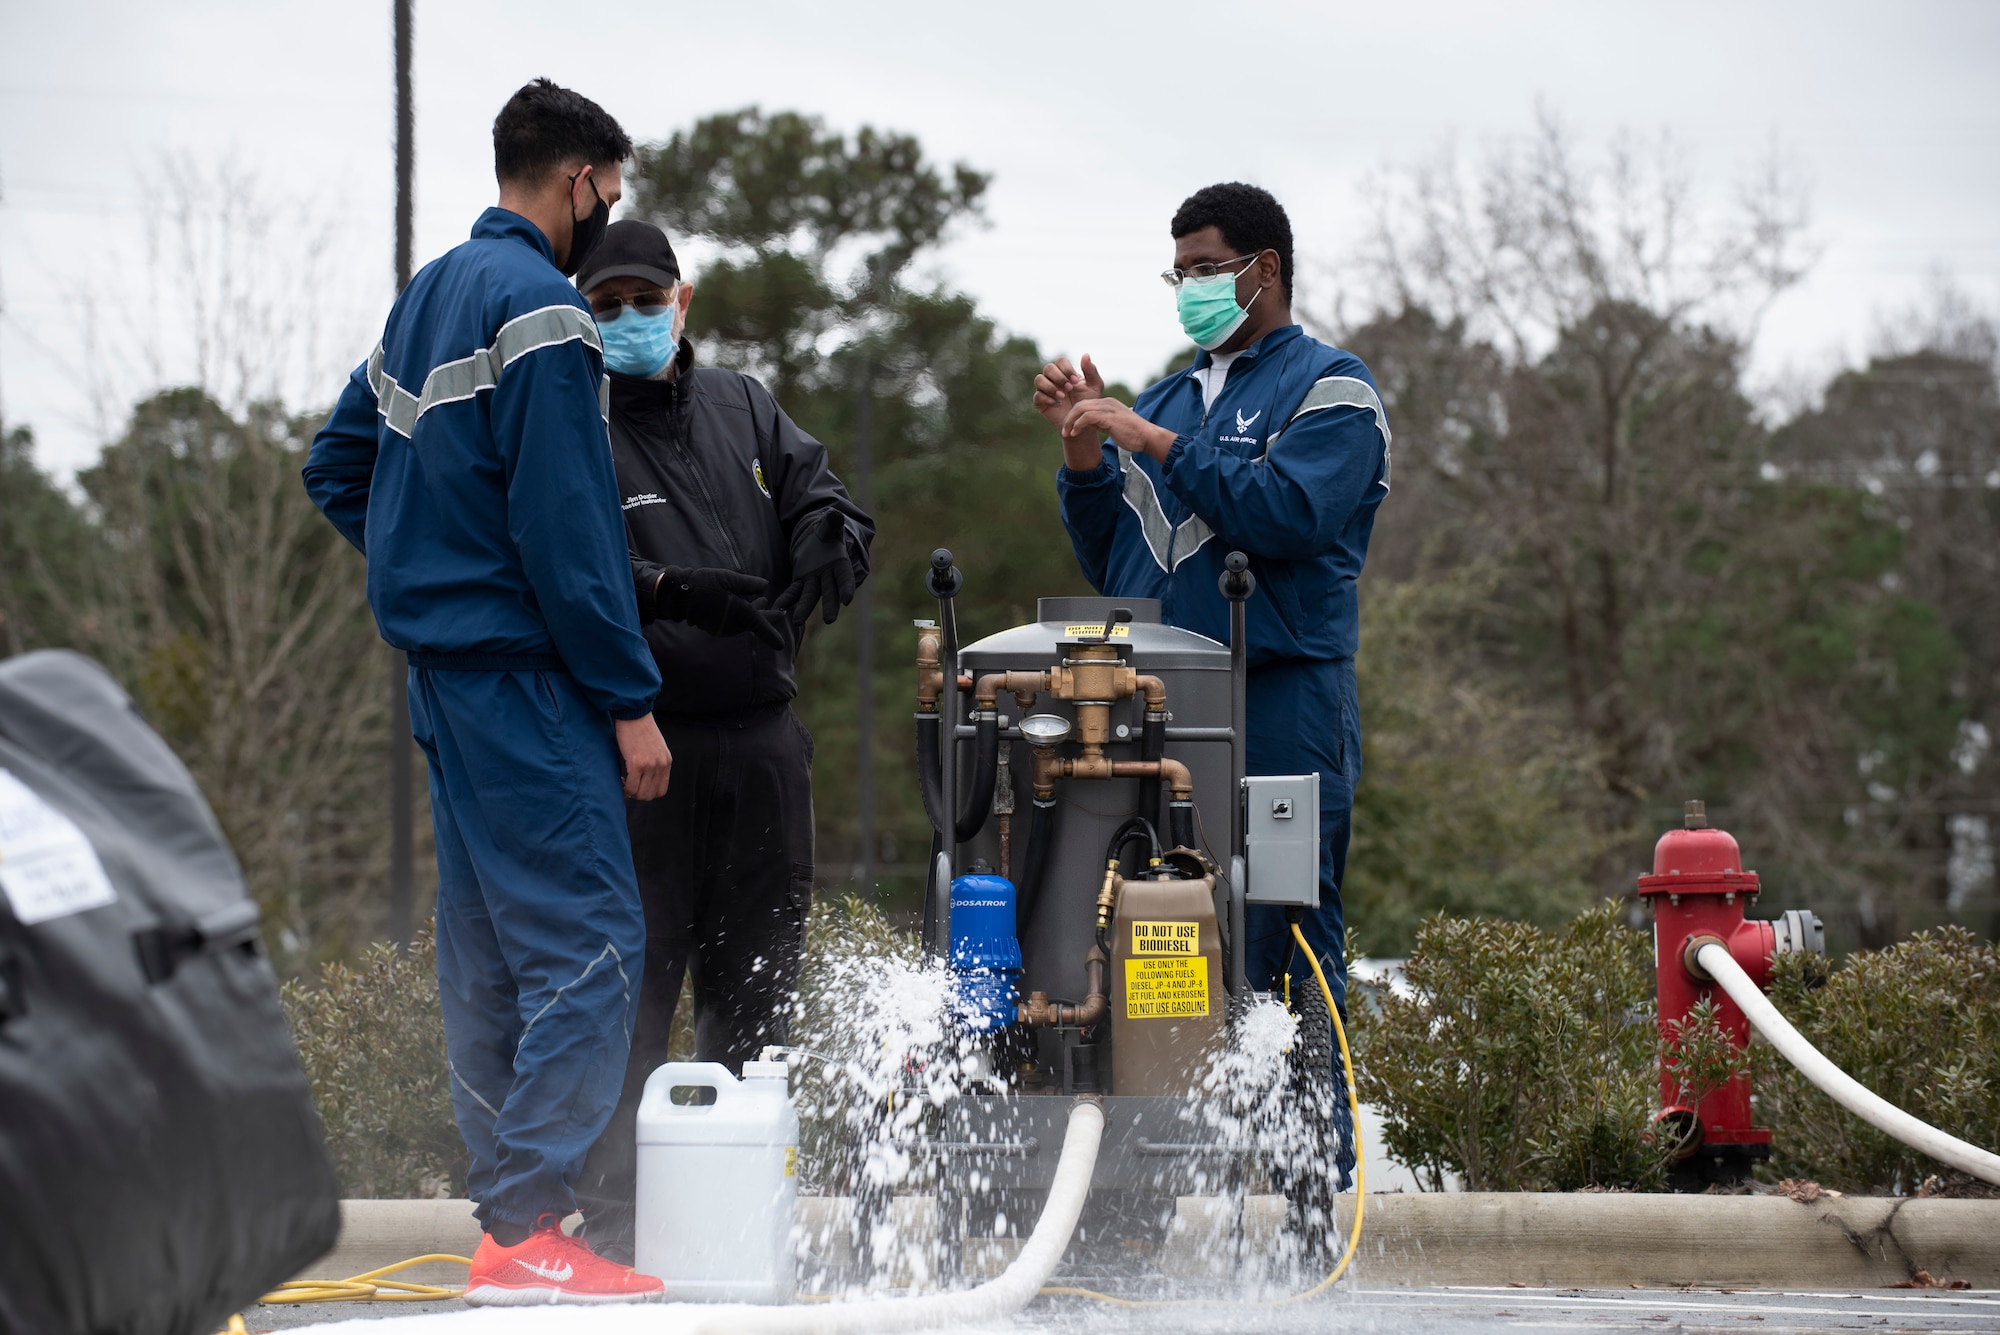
x: 585, y: 235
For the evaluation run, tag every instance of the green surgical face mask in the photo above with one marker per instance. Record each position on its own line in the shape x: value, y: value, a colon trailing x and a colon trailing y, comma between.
x: 1208, y: 310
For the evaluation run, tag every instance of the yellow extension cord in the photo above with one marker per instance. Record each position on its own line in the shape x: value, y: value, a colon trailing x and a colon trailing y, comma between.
x: 369, y: 1285
x: 373, y: 1285
x: 1360, y: 1178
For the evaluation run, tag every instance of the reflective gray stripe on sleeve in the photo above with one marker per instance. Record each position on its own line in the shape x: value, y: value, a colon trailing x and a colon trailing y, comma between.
x: 540, y: 329
x: 397, y: 405
x: 456, y: 381
x: 1340, y: 391
x: 1169, y: 545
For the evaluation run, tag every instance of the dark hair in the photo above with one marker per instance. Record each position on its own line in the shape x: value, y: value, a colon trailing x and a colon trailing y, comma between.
x: 545, y: 125
x: 1249, y: 218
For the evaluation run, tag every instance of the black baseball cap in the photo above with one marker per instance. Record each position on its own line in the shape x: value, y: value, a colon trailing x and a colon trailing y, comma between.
x: 631, y: 249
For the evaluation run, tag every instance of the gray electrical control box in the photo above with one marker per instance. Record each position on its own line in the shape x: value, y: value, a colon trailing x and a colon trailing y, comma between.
x: 1281, y: 830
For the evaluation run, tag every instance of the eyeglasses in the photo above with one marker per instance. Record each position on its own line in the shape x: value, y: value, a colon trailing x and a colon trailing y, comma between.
x: 1175, y: 277
x: 648, y: 304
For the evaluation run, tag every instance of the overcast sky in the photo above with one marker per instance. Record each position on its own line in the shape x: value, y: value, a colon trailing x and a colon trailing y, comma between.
x: 1094, y: 119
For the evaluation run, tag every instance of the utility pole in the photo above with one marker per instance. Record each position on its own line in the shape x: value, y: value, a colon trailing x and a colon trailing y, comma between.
x: 864, y: 630
x: 402, y: 768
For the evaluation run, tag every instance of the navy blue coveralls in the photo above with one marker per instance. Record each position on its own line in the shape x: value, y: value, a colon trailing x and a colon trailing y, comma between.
x: 468, y: 460
x: 1288, y: 466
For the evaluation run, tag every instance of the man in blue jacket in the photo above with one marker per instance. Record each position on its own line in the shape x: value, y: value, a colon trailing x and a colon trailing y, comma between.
x: 1273, y: 444
x: 468, y: 460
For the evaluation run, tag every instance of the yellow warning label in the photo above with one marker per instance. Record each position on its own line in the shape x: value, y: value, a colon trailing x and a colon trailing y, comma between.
x: 1166, y: 938
x: 1159, y: 989
x: 791, y: 1161
x: 1095, y: 632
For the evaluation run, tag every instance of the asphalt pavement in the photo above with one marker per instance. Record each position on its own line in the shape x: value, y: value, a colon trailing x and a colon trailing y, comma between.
x: 1417, y: 1311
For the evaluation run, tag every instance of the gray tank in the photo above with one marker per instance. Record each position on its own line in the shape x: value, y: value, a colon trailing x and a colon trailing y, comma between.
x: 1196, y: 672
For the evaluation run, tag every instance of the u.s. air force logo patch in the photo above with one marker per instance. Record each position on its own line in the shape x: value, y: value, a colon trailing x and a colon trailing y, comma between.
x: 1243, y: 425
x: 757, y: 471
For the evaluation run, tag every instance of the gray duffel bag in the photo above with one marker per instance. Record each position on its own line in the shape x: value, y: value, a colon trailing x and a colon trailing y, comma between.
x: 161, y: 1164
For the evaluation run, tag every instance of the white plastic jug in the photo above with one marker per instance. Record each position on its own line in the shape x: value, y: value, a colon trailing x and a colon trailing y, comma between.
x: 718, y: 1182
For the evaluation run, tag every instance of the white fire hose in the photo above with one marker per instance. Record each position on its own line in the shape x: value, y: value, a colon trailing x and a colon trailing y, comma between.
x: 992, y: 1301
x: 1843, y: 1088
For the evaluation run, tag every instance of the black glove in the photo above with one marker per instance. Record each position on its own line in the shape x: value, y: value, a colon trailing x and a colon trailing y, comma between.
x: 717, y: 601
x: 830, y: 580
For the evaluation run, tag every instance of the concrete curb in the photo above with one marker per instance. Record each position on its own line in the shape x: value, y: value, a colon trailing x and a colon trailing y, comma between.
x: 379, y: 1233
x: 1541, y: 1240
x: 1571, y: 1240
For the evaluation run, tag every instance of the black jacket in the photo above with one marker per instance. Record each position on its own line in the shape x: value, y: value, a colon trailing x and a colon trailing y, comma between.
x: 711, y: 472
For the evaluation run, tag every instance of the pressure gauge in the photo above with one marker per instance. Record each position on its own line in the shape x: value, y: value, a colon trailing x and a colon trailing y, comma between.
x: 1045, y: 729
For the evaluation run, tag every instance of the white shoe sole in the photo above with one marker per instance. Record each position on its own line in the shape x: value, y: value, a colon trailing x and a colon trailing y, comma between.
x: 540, y: 1295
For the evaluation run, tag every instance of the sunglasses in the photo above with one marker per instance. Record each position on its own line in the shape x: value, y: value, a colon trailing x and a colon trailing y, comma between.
x: 648, y: 304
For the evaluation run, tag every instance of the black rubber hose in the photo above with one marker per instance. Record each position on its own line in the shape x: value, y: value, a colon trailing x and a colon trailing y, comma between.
x: 985, y: 774
x: 1152, y: 745
x: 930, y: 779
x: 1180, y: 824
x: 1034, y: 862
x: 1138, y: 827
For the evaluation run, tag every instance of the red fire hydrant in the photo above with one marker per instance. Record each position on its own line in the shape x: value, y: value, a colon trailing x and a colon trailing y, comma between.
x: 1699, y: 893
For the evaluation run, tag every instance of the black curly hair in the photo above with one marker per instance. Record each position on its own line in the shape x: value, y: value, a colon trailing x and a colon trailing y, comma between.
x: 1249, y: 218
x: 545, y: 125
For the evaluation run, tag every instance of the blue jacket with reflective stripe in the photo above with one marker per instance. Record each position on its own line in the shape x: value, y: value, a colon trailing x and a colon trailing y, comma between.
x: 1288, y: 466
x: 468, y: 459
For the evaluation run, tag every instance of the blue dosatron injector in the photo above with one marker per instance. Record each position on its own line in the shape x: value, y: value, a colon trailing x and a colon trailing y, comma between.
x: 985, y: 953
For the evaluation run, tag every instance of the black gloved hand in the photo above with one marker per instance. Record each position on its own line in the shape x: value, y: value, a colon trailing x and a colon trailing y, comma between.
x: 717, y: 601
x: 829, y: 582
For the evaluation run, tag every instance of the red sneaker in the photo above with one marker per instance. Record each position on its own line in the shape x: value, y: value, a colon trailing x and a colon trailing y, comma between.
x: 552, y: 1268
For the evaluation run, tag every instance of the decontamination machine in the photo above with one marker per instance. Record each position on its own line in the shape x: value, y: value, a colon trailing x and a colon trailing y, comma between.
x: 1097, y: 845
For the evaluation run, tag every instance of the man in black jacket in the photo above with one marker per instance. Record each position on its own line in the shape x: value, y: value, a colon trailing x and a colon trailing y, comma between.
x: 714, y: 479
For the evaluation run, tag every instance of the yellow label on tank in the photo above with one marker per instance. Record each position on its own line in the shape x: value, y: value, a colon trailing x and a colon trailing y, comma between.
x: 1166, y: 989
x: 1166, y: 938
x: 1096, y: 632
x: 791, y: 1161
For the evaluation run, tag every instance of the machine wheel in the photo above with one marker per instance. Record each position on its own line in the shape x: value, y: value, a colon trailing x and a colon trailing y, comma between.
x: 1311, y: 1181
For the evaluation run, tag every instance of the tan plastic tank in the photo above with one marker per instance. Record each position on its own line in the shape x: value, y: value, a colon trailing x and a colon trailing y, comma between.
x: 1166, y: 986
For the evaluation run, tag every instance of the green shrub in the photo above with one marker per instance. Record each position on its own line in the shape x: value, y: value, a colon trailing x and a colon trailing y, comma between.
x: 372, y: 1040
x: 1524, y: 1059
x: 1918, y: 1023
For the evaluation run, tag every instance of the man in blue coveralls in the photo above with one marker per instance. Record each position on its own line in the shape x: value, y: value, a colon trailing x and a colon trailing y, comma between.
x: 1272, y: 444
x: 468, y: 459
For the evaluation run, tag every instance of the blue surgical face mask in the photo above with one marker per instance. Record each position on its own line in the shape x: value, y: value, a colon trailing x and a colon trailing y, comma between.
x: 640, y: 345
x: 1208, y: 310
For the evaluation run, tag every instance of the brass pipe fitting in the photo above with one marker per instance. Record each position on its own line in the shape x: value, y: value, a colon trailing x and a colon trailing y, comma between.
x: 1179, y: 782
x: 1093, y: 725
x: 930, y: 668
x: 1094, y: 673
x: 1156, y: 693
x: 1024, y: 686
x: 1097, y: 1005
x: 1107, y: 894
x: 1091, y: 765
x: 1040, y: 1011
x: 1048, y: 767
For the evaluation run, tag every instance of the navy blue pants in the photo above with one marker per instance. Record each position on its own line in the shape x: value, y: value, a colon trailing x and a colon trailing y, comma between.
x: 540, y: 936
x: 1304, y: 719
